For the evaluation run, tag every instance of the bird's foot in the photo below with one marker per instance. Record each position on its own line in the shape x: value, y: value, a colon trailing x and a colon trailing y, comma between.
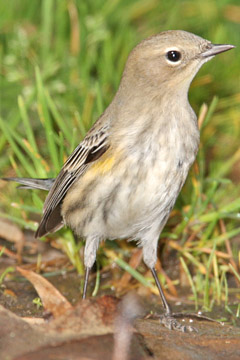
x: 170, y: 322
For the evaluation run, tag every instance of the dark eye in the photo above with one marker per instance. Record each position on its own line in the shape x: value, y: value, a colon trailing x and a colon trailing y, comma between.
x: 173, y: 55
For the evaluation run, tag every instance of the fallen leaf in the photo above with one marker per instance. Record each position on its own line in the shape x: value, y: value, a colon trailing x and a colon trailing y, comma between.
x: 91, y: 316
x: 11, y: 232
x: 9, y: 292
x: 53, y: 301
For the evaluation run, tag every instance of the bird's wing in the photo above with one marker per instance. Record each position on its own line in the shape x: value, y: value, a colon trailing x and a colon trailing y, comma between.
x: 90, y: 149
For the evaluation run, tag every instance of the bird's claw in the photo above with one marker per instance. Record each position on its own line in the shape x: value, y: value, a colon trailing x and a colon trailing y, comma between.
x: 171, y: 323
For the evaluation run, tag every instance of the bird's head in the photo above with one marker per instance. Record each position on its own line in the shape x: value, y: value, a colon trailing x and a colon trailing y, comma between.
x: 170, y: 59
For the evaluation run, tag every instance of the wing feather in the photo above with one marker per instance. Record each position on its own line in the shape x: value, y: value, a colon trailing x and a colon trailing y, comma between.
x: 90, y: 149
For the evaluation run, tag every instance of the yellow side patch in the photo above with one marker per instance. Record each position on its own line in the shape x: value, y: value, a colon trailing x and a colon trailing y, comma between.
x: 103, y: 165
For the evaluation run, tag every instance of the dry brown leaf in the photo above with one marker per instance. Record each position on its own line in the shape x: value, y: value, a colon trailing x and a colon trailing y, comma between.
x: 90, y: 316
x: 11, y: 232
x: 53, y: 301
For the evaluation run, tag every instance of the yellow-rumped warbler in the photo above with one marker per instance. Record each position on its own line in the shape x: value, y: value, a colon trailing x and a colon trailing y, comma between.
x: 122, y: 180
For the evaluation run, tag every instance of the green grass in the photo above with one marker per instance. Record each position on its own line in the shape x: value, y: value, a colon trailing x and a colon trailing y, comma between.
x: 61, y: 65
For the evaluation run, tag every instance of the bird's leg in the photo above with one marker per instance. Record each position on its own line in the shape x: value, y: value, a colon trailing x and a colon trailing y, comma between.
x: 163, y: 298
x: 89, y: 259
x: 87, y: 272
x: 168, y: 318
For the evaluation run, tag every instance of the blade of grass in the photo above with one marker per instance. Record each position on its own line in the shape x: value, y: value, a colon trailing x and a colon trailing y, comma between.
x: 134, y: 273
x: 28, y: 208
x: 29, y: 225
x: 5, y: 272
x: 80, y: 124
x: 211, y: 110
x: 97, y: 283
x: 61, y: 147
x: 21, y: 157
x: 72, y: 250
x: 194, y: 261
x: 27, y: 125
x: 209, y: 196
x: 2, y: 251
x: 226, y: 295
x: 47, y: 26
x: 216, y: 277
x: 229, y: 208
x: 228, y: 165
x: 235, y: 272
x: 65, y: 129
x: 46, y: 121
x: 40, y: 164
x: 207, y: 233
x: 206, y: 299
x: 221, y: 238
x: 191, y: 282
x: 238, y: 311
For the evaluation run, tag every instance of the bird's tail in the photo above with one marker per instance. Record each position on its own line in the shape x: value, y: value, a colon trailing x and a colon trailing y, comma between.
x: 28, y: 183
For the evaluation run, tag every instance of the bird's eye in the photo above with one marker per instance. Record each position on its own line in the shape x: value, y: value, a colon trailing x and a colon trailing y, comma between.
x: 173, y: 55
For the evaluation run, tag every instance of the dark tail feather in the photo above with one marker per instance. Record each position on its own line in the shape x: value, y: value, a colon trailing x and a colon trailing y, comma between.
x: 50, y: 222
x: 28, y: 183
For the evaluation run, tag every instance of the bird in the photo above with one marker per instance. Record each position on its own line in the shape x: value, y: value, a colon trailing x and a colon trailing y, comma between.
x: 122, y: 180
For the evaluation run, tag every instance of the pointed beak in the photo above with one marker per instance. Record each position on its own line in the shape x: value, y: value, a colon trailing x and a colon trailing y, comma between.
x: 217, y: 49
